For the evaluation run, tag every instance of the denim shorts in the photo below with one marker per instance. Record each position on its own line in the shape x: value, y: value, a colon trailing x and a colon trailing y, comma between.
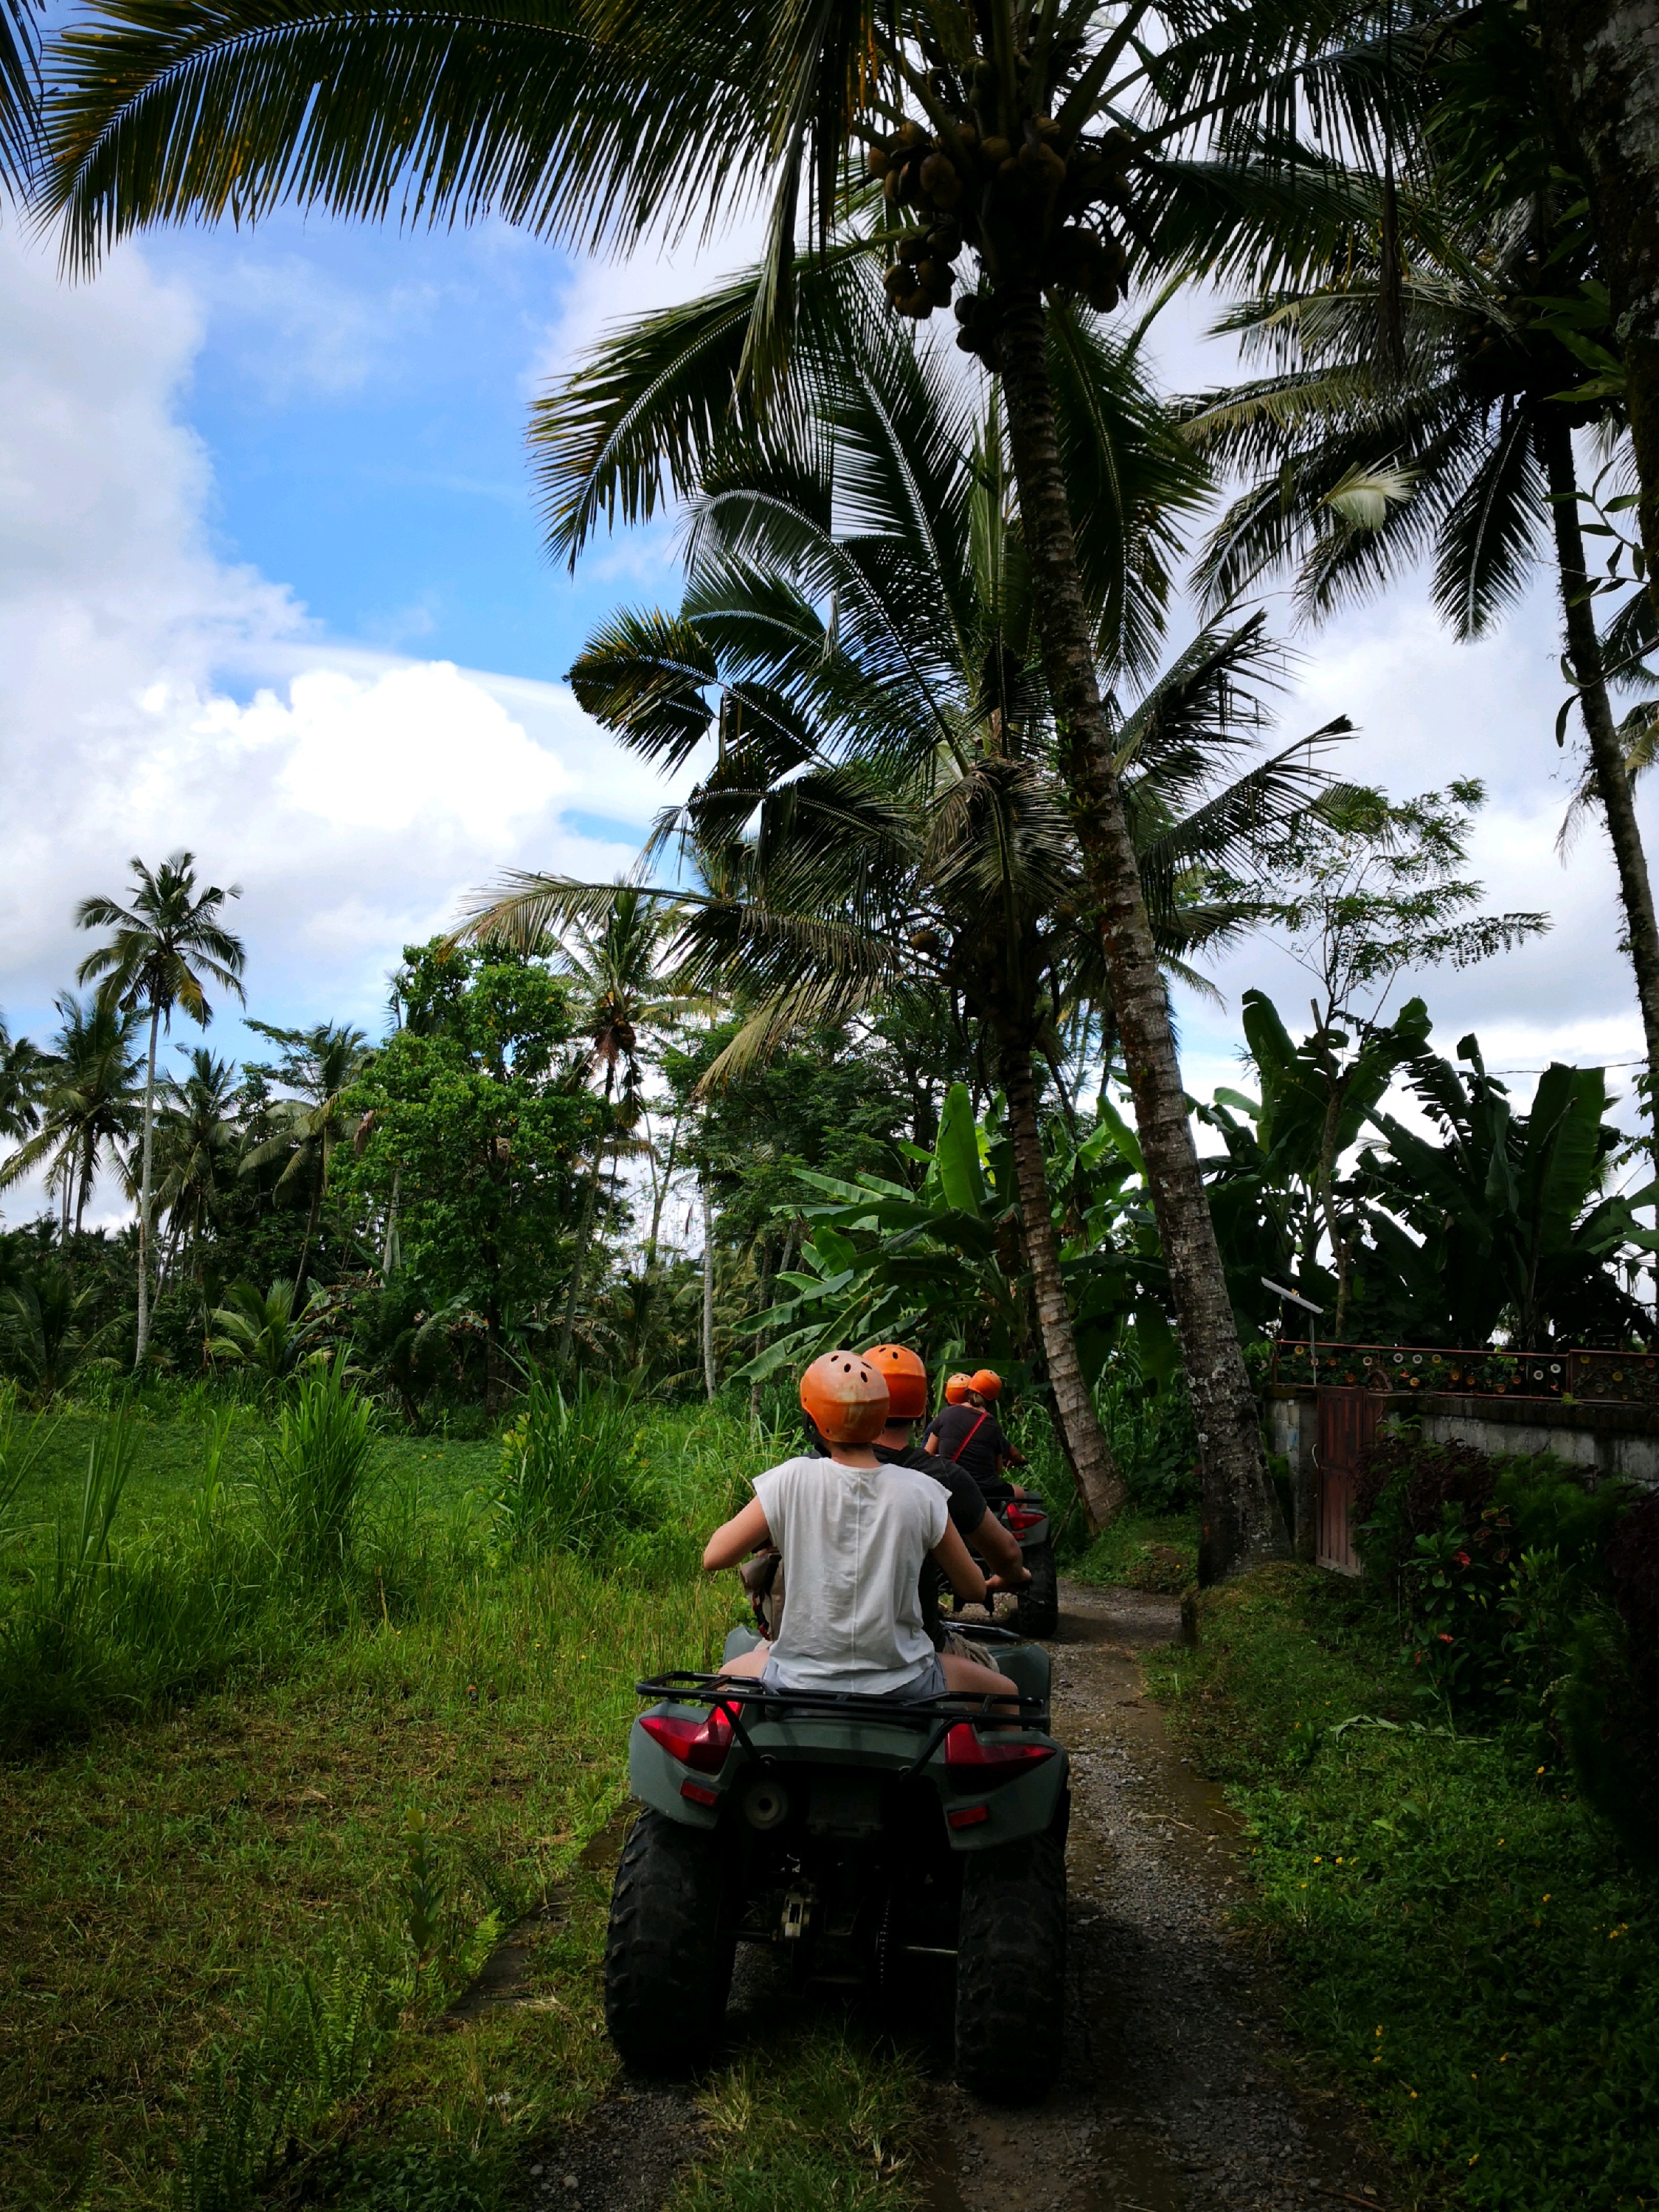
x: 929, y: 1683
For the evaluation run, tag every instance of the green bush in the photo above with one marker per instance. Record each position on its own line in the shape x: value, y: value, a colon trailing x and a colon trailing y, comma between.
x: 1523, y: 1596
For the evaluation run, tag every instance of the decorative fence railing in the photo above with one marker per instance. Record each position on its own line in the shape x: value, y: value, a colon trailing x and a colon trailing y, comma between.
x: 1619, y: 1378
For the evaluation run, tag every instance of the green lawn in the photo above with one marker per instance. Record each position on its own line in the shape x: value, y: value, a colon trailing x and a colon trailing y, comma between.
x: 220, y: 1937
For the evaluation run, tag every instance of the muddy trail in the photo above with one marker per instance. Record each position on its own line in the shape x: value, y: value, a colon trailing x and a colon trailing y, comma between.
x: 1180, y: 2092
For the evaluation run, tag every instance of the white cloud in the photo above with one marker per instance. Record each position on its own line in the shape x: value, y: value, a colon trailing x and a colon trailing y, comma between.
x: 152, y: 695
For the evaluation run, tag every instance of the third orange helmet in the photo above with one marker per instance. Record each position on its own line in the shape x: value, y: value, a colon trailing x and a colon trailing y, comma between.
x: 957, y: 1390
x: 988, y: 1384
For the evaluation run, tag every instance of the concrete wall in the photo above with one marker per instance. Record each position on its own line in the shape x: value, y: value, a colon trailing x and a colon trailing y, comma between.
x: 1604, y: 1440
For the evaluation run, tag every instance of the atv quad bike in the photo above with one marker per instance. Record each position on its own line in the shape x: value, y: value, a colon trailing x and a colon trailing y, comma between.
x: 1037, y: 1610
x: 874, y: 1841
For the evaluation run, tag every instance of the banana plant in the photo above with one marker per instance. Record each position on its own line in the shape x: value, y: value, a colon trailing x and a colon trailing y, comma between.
x: 937, y: 1267
x: 1512, y: 1223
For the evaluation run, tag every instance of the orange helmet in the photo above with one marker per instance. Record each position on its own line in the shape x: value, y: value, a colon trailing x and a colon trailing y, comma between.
x: 988, y: 1384
x: 906, y: 1378
x: 846, y: 1398
x: 957, y: 1390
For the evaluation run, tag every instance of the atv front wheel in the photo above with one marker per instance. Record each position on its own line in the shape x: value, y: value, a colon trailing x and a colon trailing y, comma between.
x: 1038, y: 1611
x: 1011, y: 1969
x: 669, y: 1949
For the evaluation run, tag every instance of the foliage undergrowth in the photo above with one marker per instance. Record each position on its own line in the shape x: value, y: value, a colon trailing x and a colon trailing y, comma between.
x: 1468, y: 1950
x: 1147, y: 1551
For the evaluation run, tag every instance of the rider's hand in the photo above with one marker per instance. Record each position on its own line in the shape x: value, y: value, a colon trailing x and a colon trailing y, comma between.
x: 1009, y: 1582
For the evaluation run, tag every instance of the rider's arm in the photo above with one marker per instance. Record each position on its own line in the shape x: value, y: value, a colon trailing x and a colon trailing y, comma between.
x: 738, y: 1538
x: 994, y: 1543
x: 951, y: 1556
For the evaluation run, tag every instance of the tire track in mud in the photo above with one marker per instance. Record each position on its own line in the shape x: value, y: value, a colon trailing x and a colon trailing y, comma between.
x: 1180, y: 2093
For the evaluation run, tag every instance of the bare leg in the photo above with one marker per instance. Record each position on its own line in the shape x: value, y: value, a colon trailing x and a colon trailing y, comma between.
x: 967, y: 1678
x: 752, y: 1663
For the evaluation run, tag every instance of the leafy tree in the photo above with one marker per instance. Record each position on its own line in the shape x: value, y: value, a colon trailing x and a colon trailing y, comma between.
x: 474, y: 1109
x: 166, y: 944
x: 49, y: 1328
x: 1366, y: 891
x: 1513, y: 1221
x: 269, y: 1331
x: 912, y: 839
x: 621, y: 993
x: 1012, y: 133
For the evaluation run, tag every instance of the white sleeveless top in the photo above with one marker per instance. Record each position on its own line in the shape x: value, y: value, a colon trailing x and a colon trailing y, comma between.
x: 853, y: 1540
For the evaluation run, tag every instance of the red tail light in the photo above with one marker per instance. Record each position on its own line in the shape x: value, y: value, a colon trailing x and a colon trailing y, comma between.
x: 1021, y: 1517
x: 981, y: 1762
x: 699, y: 1744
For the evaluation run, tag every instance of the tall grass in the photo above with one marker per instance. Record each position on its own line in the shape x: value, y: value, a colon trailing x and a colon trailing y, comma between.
x: 316, y: 1477
x: 24, y: 1441
x: 52, y: 1661
x: 571, y: 1471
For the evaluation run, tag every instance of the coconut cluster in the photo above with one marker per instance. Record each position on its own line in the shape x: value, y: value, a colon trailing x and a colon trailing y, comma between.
x: 1020, y: 198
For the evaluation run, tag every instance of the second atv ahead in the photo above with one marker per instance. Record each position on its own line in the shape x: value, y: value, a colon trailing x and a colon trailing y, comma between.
x: 875, y: 1841
x: 1025, y: 1515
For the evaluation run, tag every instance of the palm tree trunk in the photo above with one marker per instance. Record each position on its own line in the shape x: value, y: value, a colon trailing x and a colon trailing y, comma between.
x: 1242, y: 1524
x: 143, y: 1191
x: 1100, y: 1484
x: 1602, y: 65
x: 389, y: 1252
x: 584, y: 1231
x: 1606, y: 754
x: 710, y: 1382
x: 311, y: 1231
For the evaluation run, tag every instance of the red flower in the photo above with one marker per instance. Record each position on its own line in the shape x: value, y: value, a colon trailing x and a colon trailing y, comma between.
x: 1444, y: 1638
x: 1462, y: 1559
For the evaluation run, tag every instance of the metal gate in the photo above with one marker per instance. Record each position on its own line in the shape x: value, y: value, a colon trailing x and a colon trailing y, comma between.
x: 1347, y: 1423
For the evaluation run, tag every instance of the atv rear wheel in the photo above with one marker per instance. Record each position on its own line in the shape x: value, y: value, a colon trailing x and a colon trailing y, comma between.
x: 1011, y: 1969
x: 669, y: 1948
x: 1038, y: 1611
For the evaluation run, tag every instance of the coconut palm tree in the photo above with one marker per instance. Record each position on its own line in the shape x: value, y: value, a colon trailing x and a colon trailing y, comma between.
x: 615, y: 966
x: 165, y: 945
x: 885, y: 816
x: 1029, y: 141
x: 197, y: 1141
x: 90, y: 1107
x: 24, y: 1070
x: 20, y: 95
x: 1356, y: 466
x: 321, y: 1064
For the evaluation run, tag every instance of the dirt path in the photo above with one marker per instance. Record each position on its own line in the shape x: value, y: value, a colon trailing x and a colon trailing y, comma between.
x: 1179, y: 2094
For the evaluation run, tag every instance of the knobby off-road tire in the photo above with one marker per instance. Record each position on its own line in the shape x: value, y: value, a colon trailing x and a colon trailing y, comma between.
x: 1011, y: 1969
x: 1038, y: 1611
x: 669, y: 1949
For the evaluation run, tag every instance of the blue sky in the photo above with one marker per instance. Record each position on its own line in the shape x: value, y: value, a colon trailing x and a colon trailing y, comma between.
x: 271, y: 585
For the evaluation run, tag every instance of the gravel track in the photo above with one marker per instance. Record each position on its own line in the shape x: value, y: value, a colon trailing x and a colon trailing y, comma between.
x: 1180, y: 2094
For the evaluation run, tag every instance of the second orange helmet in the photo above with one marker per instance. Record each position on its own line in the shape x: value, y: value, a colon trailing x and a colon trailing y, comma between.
x: 906, y: 1377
